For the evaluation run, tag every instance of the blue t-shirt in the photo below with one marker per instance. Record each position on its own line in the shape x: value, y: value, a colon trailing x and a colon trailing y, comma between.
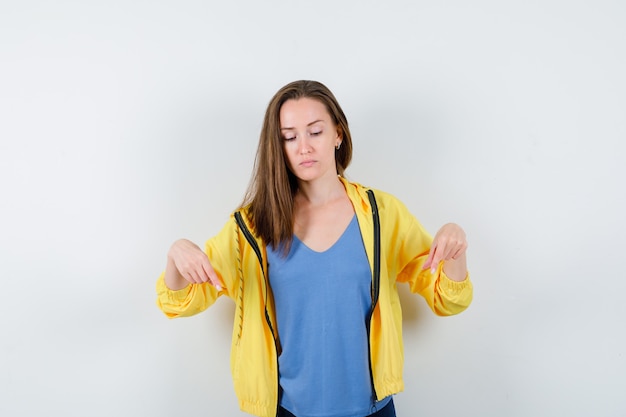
x: 322, y: 304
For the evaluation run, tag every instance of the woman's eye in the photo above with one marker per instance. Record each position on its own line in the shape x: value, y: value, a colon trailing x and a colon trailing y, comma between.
x: 316, y: 133
x: 288, y: 138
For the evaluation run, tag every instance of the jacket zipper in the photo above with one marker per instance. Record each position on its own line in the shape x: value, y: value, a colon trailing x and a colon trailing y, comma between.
x: 375, y: 281
x: 256, y: 249
x: 252, y: 241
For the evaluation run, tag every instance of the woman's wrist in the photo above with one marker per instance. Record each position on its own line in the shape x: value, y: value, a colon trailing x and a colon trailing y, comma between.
x: 456, y: 269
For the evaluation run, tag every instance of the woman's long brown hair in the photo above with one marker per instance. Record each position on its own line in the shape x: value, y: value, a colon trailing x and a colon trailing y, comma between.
x: 270, y: 195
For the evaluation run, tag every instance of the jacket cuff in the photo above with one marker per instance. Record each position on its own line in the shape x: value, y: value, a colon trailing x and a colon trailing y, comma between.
x: 451, y: 286
x: 171, y: 296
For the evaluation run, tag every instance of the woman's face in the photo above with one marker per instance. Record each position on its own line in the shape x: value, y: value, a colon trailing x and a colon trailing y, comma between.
x: 309, y: 139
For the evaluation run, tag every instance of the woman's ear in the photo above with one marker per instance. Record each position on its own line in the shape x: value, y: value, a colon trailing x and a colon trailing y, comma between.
x: 339, y: 133
x: 339, y: 137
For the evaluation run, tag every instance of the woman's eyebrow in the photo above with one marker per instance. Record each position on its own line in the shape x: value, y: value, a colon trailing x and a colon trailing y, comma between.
x: 291, y: 128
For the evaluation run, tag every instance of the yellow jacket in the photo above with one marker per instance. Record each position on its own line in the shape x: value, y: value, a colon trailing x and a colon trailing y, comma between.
x: 404, y: 247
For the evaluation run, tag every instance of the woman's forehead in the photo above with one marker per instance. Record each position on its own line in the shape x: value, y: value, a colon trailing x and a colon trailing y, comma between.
x: 302, y: 112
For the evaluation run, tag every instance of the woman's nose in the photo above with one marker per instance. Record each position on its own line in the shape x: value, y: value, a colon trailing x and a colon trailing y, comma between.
x: 304, y: 146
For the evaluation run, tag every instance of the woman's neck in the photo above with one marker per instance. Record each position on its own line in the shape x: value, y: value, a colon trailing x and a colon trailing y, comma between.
x: 321, y: 191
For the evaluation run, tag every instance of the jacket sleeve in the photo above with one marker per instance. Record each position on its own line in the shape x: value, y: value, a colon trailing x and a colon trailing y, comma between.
x: 444, y: 296
x: 223, y: 253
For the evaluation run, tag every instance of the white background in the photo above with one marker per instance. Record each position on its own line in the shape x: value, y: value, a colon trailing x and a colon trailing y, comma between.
x: 127, y: 124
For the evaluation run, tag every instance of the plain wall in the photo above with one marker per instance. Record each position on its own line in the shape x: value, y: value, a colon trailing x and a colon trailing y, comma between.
x: 125, y: 125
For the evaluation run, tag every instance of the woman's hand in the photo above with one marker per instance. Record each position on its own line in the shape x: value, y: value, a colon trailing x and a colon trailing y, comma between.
x: 187, y: 262
x: 449, y: 245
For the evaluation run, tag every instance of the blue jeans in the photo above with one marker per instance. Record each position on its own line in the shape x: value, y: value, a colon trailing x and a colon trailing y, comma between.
x: 387, y: 411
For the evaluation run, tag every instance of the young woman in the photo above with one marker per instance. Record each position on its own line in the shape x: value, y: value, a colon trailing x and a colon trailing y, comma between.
x: 312, y: 261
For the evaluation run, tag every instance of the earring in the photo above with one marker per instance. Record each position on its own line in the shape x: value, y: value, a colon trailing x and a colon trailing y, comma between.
x: 338, y: 146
